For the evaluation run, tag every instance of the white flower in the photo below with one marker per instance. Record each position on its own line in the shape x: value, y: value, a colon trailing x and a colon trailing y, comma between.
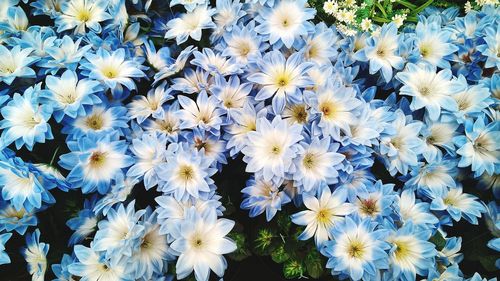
x: 190, y: 24
x: 323, y: 213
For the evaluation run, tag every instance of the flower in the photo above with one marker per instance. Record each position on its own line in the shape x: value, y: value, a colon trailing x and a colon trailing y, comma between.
x: 358, y: 249
x: 190, y: 24
x: 185, y: 173
x: 429, y: 89
x: 4, y: 257
x: 152, y: 105
x: 261, y: 195
x: 271, y: 148
x: 113, y: 70
x: 490, y: 49
x: 35, y: 255
x: 316, y: 164
x: 457, y: 204
x: 413, y: 210
x: 84, y: 224
x: 201, y: 243
x: 120, y: 232
x: 189, y: 5
x: 16, y: 63
x: 205, y: 113
x: 285, y: 22
x: 67, y: 94
x: 281, y: 79
x: 94, y: 161
x: 323, y: 213
x: 382, y: 52
x: 94, y: 266
x: 410, y: 252
x: 479, y: 147
x: 82, y: 14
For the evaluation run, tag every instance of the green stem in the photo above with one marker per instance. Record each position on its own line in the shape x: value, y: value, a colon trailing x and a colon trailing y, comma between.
x: 406, y: 4
x: 54, y: 156
x: 422, y: 7
x: 381, y: 9
x: 379, y: 19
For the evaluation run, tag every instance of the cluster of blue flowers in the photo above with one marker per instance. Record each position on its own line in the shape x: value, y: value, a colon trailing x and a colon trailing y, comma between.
x: 160, y: 94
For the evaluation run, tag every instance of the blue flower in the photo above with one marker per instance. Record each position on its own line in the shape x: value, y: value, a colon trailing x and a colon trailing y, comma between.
x: 282, y: 79
x: 95, y: 161
x: 382, y: 52
x: 458, y: 204
x: 190, y: 24
x: 261, y: 195
x: 15, y: 220
x: 359, y: 249
x: 4, y: 257
x: 284, y: 22
x: 490, y: 48
x: 25, y: 120
x: 82, y: 15
x: 35, y: 255
x: 84, y: 224
x: 185, y: 173
x: 68, y: 95
x: 480, y: 145
x: 205, y: 113
x: 433, y: 44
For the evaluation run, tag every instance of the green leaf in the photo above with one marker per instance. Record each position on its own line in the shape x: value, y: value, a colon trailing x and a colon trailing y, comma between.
x: 279, y: 255
x: 422, y: 7
x: 314, y: 264
x: 406, y: 4
x: 284, y: 222
x: 379, y: 6
x: 263, y: 241
x: 242, y: 250
x: 438, y: 240
x: 488, y: 262
x: 293, y: 269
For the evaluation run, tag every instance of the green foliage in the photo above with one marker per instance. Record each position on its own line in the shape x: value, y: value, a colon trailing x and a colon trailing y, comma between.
x: 314, y: 263
x: 242, y: 250
x: 262, y: 244
x: 279, y: 254
x: 293, y: 269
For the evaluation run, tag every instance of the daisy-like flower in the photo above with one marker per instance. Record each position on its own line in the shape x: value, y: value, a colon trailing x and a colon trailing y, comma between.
x: 65, y: 54
x: 21, y: 186
x: 119, y: 234
x: 25, y: 120
x: 16, y: 20
x: 168, y: 126
x: 93, y: 266
x: 152, y: 250
x: 82, y: 14
x: 205, y: 113
x: 411, y: 253
x: 16, y: 63
x: 149, y: 152
x: 480, y: 146
x: 113, y: 70
x: 458, y: 204
x: 186, y: 172
x: 281, y: 79
x: 411, y: 209
x: 228, y: 14
x: 15, y: 220
x: 490, y: 49
x: 98, y: 120
x: 151, y: 105
x: 190, y: 24
x: 358, y: 249
x: 433, y: 44
x: 336, y: 107
x: 35, y: 255
x: 271, y: 148
x: 382, y: 52
x: 194, y: 81
x: 242, y: 43
x: 434, y: 177
x: 4, y: 257
x: 437, y: 136
x: 324, y: 212
x: 260, y: 195
x: 215, y: 63
x: 285, y: 22
x: 377, y: 202
x: 244, y: 121
x: 403, y: 146
x: 316, y: 164
x: 94, y: 161
x: 232, y: 94
x: 471, y: 101
x: 201, y: 244
x: 429, y: 89
x: 84, y: 224
x: 320, y: 47
x: 67, y: 94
